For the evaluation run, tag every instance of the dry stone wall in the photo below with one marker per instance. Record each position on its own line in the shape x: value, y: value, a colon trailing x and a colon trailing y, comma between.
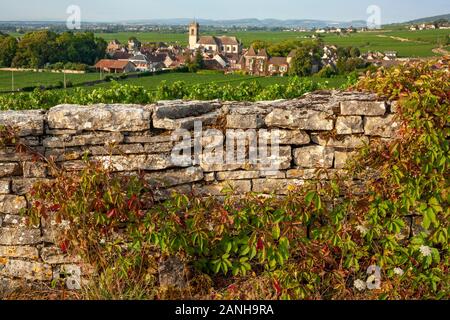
x: 319, y: 130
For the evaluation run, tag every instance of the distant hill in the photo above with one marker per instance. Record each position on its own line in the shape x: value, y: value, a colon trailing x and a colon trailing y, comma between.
x: 256, y: 23
x: 430, y: 19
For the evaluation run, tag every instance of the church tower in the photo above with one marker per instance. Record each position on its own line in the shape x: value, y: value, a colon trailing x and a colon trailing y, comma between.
x: 194, y: 31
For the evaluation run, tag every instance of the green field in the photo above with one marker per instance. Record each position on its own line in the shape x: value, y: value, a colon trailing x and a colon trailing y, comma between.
x: 152, y: 82
x: 420, y: 44
x: 29, y: 78
x: 23, y: 79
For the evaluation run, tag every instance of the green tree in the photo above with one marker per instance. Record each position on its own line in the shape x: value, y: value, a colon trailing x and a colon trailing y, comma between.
x: 8, y: 49
x: 305, y: 58
x: 355, y: 52
x: 260, y: 44
x: 196, y: 63
x: 36, y: 49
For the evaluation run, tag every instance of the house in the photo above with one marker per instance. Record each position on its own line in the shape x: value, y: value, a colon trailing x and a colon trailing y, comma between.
x: 222, y: 44
x: 134, y: 45
x: 234, y: 61
x: 256, y: 63
x: 278, y: 66
x: 115, y: 66
x: 113, y: 46
x: 141, y: 62
x: 119, y: 55
x: 222, y: 60
x: 390, y: 55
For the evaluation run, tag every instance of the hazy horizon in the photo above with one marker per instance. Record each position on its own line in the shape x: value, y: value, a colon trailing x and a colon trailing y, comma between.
x: 132, y: 10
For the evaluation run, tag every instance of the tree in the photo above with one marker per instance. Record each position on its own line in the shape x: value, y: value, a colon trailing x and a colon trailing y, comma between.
x: 259, y: 44
x: 305, y: 58
x: 8, y: 49
x: 195, y: 64
x: 36, y: 49
x: 355, y: 52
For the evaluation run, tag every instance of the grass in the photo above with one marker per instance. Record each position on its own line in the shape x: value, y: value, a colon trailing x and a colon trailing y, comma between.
x: 152, y: 82
x: 29, y: 78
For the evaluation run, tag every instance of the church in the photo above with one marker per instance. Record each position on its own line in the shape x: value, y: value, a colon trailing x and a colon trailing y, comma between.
x: 221, y: 45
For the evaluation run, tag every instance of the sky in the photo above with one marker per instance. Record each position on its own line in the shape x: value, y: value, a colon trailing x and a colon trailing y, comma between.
x: 120, y: 10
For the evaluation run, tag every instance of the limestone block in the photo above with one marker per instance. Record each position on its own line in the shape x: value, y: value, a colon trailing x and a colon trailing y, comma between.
x: 23, y: 252
x: 347, y: 141
x: 276, y: 186
x: 349, y: 125
x: 19, y: 236
x: 363, y: 108
x: 174, y: 177
x: 12, y: 204
x: 314, y: 157
x: 100, y: 117
x: 26, y: 270
x: 27, y: 122
x: 304, y: 119
x: 385, y: 127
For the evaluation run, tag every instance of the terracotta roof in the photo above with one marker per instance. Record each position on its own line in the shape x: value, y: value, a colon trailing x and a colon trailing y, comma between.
x: 278, y: 61
x: 251, y: 52
x: 262, y: 53
x: 208, y: 40
x: 112, y: 64
x: 228, y: 40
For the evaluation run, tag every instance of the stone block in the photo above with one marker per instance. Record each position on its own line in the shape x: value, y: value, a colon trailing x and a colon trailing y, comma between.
x: 287, y: 137
x: 276, y: 186
x: 250, y: 121
x: 341, y: 158
x: 235, y: 186
x: 12, y: 204
x: 10, y: 169
x: 347, y: 141
x: 349, y: 125
x: 363, y: 108
x: 26, y: 270
x: 237, y: 175
x: 100, y: 117
x: 174, y: 177
x: 34, y: 169
x: 19, y: 236
x: 26, y: 123
x: 84, y: 140
x: 23, y: 252
x: 303, y: 119
x: 385, y: 127
x: 314, y: 157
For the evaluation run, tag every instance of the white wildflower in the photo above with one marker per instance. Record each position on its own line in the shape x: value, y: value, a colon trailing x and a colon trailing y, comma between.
x: 398, y: 271
x: 359, y: 285
x: 102, y: 241
x: 53, y: 223
x: 65, y: 225
x: 425, y: 251
x: 362, y: 229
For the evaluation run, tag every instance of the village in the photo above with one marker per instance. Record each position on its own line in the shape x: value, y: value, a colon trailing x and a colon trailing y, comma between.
x: 220, y: 53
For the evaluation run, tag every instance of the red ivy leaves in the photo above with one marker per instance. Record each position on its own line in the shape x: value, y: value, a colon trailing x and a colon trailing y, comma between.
x: 277, y: 287
x: 111, y: 213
